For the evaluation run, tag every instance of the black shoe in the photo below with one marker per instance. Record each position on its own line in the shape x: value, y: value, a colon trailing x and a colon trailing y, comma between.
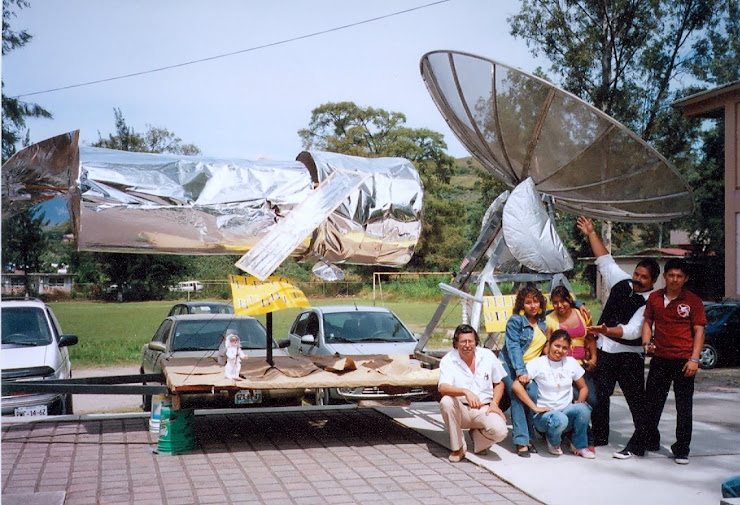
x: 522, y: 454
x: 532, y: 449
x: 626, y: 454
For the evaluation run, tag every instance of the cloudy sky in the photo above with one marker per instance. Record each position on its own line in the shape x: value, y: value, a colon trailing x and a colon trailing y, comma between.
x: 249, y: 104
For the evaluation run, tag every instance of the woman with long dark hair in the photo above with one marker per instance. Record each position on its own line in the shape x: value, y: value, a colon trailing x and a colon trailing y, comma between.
x: 525, y: 339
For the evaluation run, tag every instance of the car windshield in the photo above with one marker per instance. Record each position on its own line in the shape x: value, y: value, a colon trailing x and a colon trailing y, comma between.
x: 25, y: 326
x: 358, y: 326
x: 715, y: 313
x: 205, y: 335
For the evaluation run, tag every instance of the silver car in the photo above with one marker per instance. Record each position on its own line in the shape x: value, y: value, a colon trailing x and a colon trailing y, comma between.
x: 353, y: 331
x: 198, y: 336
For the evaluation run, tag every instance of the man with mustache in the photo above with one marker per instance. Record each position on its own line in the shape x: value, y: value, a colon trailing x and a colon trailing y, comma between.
x: 620, y: 352
x: 470, y: 380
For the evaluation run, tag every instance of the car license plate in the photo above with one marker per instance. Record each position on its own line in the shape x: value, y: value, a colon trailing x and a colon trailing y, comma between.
x: 37, y: 410
x: 248, y: 397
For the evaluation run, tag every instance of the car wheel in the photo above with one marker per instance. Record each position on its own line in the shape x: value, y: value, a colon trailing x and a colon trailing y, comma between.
x: 67, y: 408
x: 322, y: 397
x: 708, y: 357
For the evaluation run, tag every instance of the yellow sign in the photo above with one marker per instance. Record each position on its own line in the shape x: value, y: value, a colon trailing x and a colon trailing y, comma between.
x: 252, y: 296
x: 497, y: 311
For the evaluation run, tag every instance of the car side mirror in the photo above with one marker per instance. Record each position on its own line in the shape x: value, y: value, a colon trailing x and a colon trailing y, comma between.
x: 308, y: 339
x: 67, y: 340
x: 283, y: 343
x: 157, y: 346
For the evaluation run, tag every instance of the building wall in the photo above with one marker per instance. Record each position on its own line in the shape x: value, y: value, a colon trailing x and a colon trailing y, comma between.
x: 13, y: 284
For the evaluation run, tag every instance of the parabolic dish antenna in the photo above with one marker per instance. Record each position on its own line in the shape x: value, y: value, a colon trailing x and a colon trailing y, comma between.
x: 518, y: 125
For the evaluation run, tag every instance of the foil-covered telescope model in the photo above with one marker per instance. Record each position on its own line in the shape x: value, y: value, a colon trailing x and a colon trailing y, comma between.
x: 364, y: 211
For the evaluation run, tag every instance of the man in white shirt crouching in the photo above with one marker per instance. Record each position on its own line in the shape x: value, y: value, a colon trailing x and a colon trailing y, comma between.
x: 470, y: 380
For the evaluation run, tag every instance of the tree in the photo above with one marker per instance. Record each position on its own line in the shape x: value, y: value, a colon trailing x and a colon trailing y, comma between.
x: 627, y: 58
x: 23, y: 239
x: 143, y: 276
x: 15, y: 111
x: 347, y: 128
x: 24, y: 243
x: 155, y: 140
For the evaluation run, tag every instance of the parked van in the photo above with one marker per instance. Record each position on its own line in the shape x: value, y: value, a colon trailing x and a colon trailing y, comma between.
x: 34, y: 348
x: 185, y: 286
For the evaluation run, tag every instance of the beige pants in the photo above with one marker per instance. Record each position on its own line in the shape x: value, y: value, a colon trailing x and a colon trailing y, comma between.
x: 485, y: 430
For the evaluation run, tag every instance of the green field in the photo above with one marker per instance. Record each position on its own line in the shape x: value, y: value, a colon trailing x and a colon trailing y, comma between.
x: 112, y: 334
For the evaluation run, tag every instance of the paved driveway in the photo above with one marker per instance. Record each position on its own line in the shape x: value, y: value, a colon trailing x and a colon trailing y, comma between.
x: 292, y: 456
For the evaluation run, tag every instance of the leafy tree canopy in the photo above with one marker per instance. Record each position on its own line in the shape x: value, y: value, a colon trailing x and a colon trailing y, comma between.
x: 154, y: 140
x: 24, y: 243
x: 347, y: 128
x: 631, y: 58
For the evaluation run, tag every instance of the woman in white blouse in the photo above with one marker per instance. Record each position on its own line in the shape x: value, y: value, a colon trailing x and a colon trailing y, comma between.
x: 555, y: 411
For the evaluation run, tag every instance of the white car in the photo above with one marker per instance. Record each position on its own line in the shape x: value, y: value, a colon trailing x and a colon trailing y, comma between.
x: 352, y: 331
x: 34, y: 348
x: 187, y: 286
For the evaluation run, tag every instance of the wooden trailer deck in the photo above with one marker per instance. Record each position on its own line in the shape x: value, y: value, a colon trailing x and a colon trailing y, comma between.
x: 189, y: 375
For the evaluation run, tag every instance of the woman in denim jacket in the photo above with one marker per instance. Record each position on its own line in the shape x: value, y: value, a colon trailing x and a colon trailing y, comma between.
x: 525, y: 339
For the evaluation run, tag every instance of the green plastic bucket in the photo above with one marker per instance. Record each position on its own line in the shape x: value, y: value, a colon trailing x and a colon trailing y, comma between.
x: 176, y: 434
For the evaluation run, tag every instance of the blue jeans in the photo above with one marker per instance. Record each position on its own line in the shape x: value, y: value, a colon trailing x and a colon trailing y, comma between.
x: 555, y: 422
x: 521, y: 416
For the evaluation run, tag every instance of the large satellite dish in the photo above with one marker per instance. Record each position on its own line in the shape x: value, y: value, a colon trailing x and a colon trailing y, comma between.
x: 518, y: 125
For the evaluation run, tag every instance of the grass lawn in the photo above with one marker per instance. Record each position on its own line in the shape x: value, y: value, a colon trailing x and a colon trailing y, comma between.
x: 112, y: 334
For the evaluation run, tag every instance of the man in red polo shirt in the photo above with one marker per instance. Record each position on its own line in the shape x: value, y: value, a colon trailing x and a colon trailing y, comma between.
x: 679, y: 320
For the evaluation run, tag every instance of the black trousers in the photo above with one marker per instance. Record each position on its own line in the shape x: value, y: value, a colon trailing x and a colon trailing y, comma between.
x: 662, y: 373
x: 627, y: 369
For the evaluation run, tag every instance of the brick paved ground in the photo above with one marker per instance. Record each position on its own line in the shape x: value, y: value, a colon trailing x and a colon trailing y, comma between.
x: 291, y: 457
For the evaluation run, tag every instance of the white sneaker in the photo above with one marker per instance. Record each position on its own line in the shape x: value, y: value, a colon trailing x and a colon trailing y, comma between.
x: 554, y: 449
x: 682, y: 461
x: 585, y: 453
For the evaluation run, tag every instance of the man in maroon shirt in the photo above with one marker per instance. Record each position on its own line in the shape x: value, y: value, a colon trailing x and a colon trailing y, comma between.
x: 679, y: 320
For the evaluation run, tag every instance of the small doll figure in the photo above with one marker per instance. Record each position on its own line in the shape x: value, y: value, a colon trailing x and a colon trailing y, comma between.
x: 231, y: 355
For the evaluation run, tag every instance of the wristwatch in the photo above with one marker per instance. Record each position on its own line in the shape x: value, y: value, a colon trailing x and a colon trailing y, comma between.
x: 695, y: 360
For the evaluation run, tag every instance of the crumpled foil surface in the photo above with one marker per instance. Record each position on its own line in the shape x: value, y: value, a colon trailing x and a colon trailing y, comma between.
x: 530, y: 234
x: 131, y: 202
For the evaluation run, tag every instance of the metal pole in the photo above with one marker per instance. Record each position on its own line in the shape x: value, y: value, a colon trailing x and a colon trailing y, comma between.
x: 268, y: 354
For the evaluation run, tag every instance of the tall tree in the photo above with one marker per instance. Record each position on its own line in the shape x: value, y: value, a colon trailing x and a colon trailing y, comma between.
x: 347, y: 128
x: 15, y: 111
x: 24, y: 243
x: 627, y: 58
x: 23, y: 239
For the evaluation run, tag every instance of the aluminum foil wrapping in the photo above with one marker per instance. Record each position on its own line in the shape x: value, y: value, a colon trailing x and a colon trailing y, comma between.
x: 162, y: 203
x: 40, y: 172
x: 530, y: 234
x: 381, y: 222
